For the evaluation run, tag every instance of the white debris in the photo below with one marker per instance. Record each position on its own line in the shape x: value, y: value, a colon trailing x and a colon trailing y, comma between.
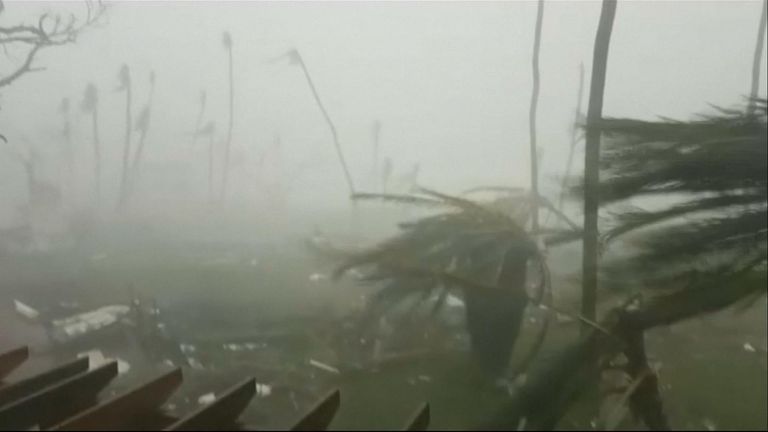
x: 98, y: 257
x: 317, y: 277
x: 233, y: 347
x: 357, y: 274
x: 748, y: 347
x: 25, y: 311
x: 89, y: 321
x: 96, y: 359
x: 709, y: 424
x: 195, y: 364
x: 206, y: 399
x: 453, y: 301
x: 263, y: 390
x: 323, y: 366
x: 424, y: 378
x: 254, y: 262
x: 187, y: 348
x: 167, y: 362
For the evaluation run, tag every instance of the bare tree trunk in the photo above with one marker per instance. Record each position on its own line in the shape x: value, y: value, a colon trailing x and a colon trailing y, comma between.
x: 574, y: 139
x: 210, y: 169
x: 756, y: 62
x: 331, y: 126
x: 199, y: 121
x: 145, y: 117
x: 228, y: 143
x: 126, y: 148
x: 376, y: 141
x: 96, y: 155
x: 532, y: 119
x: 592, y: 160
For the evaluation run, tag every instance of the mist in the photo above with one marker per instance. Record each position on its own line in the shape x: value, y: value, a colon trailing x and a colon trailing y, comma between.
x: 236, y: 233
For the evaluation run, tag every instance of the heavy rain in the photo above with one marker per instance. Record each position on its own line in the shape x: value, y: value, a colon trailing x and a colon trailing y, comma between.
x: 372, y: 215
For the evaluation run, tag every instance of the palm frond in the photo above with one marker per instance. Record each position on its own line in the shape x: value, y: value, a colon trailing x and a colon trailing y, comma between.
x: 397, y: 199
x: 713, y: 171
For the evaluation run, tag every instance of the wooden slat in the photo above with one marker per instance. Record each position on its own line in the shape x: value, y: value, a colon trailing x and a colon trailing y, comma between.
x: 26, y: 387
x: 53, y: 404
x: 129, y: 410
x: 10, y: 360
x: 420, y: 420
x: 221, y: 414
x: 320, y: 416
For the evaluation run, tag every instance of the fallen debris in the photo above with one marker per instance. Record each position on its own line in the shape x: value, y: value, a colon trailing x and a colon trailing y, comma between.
x: 324, y: 366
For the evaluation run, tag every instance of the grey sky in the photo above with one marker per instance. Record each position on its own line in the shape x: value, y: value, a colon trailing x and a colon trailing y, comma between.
x: 450, y: 82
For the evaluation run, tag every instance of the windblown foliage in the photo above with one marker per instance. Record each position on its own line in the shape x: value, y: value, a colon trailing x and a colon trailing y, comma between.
x: 711, y: 170
x: 477, y: 249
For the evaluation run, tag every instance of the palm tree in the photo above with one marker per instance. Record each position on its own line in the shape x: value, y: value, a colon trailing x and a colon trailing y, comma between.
x: 142, y: 126
x: 294, y: 58
x: 756, y: 63
x: 703, y: 252
x: 209, y: 130
x: 718, y: 163
x: 478, y: 250
x: 227, y: 40
x: 376, y: 136
x: 592, y: 160
x: 578, y: 116
x: 124, y: 78
x: 199, y: 122
x: 90, y: 105
x: 532, y: 113
x: 66, y: 133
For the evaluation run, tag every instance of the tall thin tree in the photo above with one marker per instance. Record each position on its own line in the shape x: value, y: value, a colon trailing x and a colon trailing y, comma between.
x: 68, y: 150
x: 199, y: 122
x: 376, y: 132
x: 532, y: 117
x: 592, y: 160
x: 142, y: 126
x: 295, y: 58
x: 90, y: 105
x: 574, y: 139
x: 756, y: 62
x: 124, y: 78
x: 227, y: 40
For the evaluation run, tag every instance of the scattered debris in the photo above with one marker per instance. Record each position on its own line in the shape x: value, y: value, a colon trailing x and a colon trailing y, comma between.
x: 26, y: 311
x: 709, y: 424
x: 263, y: 390
x: 187, y: 348
x: 323, y: 366
x: 80, y: 324
x: 96, y: 358
x: 317, y: 277
x: 206, y: 399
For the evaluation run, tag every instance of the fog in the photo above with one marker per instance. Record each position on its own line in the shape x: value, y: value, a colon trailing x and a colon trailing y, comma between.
x: 449, y: 82
x: 448, y: 85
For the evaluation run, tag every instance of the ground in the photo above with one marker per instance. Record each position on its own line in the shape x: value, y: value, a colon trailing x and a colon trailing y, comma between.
x: 713, y: 371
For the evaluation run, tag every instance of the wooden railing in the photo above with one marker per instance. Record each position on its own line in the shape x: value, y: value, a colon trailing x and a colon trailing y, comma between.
x: 66, y: 397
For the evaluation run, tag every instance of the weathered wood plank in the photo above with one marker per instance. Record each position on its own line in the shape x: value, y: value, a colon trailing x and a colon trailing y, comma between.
x: 10, y: 360
x: 320, y: 416
x: 420, y: 419
x: 220, y: 414
x: 55, y: 403
x: 26, y: 387
x: 132, y: 409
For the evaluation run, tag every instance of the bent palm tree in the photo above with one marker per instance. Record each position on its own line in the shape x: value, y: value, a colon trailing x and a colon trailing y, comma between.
x: 705, y: 250
x: 713, y: 169
x: 478, y: 250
